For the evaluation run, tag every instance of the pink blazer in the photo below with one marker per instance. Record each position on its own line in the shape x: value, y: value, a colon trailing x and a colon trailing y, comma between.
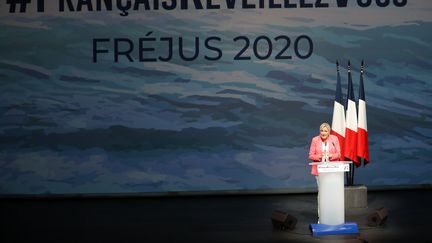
x: 315, y: 150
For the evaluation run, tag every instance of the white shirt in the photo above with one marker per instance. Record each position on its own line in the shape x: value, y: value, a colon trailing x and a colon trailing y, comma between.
x: 325, y: 149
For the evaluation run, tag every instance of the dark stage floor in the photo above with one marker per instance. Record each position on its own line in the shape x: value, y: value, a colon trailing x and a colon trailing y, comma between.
x: 205, y: 219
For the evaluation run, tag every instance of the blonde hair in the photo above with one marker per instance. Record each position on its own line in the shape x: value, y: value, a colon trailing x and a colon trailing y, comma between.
x: 326, y: 125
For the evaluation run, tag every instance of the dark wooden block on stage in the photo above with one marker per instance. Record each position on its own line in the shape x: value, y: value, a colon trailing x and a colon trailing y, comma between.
x: 377, y: 218
x: 283, y: 221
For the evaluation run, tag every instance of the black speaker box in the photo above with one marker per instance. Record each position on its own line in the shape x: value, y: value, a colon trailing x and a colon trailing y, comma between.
x: 377, y: 218
x: 283, y: 221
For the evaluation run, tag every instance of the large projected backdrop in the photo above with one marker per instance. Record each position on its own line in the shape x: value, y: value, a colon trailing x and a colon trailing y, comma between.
x: 157, y: 96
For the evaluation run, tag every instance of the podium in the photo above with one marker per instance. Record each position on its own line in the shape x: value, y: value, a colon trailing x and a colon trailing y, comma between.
x: 332, y: 199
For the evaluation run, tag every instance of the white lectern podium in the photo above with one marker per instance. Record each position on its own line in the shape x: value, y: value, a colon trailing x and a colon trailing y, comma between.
x: 332, y: 199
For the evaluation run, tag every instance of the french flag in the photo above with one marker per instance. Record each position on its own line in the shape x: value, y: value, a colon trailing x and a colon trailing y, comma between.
x: 338, y: 121
x: 362, y: 137
x: 350, y: 149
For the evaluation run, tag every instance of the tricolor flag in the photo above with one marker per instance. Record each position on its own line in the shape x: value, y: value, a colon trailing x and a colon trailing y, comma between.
x: 362, y: 137
x: 338, y: 121
x: 350, y: 149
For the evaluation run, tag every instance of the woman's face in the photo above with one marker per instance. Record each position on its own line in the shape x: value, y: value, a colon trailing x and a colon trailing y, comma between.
x: 324, y: 133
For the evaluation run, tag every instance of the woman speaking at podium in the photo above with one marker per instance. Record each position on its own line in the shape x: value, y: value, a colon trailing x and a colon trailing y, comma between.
x: 324, y: 147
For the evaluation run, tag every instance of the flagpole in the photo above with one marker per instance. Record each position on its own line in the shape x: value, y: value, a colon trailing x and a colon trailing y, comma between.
x: 339, y: 119
x: 362, y: 139
x: 361, y: 160
x: 352, y: 164
x: 348, y: 176
x: 350, y: 151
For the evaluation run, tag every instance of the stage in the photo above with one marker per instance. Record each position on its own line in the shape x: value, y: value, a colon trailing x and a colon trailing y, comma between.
x: 231, y: 218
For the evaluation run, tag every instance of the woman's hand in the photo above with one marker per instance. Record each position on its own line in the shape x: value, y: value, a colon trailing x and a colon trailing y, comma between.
x: 324, y: 155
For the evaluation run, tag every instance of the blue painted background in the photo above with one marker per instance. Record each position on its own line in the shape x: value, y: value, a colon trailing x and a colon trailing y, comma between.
x: 68, y: 125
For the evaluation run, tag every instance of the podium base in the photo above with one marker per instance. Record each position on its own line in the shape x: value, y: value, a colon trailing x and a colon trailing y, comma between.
x: 324, y: 229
